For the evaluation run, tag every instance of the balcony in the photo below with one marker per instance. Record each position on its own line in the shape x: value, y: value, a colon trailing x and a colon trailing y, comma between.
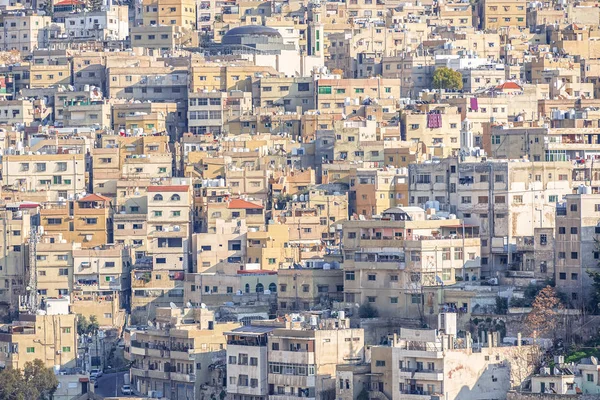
x: 182, y: 355
x: 296, y: 357
x: 176, y: 376
x: 423, y: 374
x: 157, y: 374
x: 141, y: 373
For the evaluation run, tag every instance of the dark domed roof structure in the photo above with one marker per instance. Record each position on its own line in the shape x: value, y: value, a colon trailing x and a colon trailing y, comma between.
x: 233, y: 36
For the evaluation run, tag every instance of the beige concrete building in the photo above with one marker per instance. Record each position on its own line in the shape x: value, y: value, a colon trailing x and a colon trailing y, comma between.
x: 435, y: 126
x: 247, y: 361
x: 575, y: 248
x: 16, y: 222
x: 101, y: 283
x: 495, y: 14
x: 84, y: 221
x: 61, y: 175
x: 420, y: 363
x: 305, y: 360
x: 411, y: 254
x: 24, y: 33
x: 51, y: 338
x: 308, y: 288
x: 169, y: 225
x: 179, y: 354
x: 504, y: 199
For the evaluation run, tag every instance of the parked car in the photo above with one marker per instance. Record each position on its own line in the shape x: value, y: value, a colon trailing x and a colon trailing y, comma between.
x: 126, y: 389
x: 95, y: 373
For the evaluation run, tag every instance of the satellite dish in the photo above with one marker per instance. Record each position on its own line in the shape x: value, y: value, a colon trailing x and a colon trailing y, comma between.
x: 202, y: 305
x: 189, y: 304
x: 173, y: 305
x: 150, y: 324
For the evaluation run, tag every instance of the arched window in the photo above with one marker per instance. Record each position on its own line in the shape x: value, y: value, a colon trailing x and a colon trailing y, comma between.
x: 260, y: 288
x: 247, y: 288
x: 175, y: 197
x: 273, y: 287
x: 158, y: 197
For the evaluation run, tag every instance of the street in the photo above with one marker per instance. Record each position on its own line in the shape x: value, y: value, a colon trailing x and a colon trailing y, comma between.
x: 109, y: 385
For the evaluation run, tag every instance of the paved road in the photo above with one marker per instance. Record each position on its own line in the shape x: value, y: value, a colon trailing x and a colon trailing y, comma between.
x: 109, y: 385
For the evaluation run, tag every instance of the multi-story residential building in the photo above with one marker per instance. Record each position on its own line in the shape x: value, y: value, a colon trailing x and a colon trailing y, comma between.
x: 496, y: 15
x: 247, y: 361
x: 420, y: 363
x: 504, y: 199
x: 169, y: 222
x: 54, y: 266
x: 209, y: 112
x: 331, y: 94
x: 289, y: 92
x: 151, y: 290
x: 86, y: 220
x: 575, y: 248
x: 16, y: 220
x: 222, y: 250
x: 51, y: 338
x: 24, y: 33
x: 411, y: 253
x: 372, y: 191
x: 542, y: 143
x: 101, y: 283
x: 154, y: 82
x: 105, y: 24
x: 183, y: 350
x: 60, y: 176
x: 169, y: 12
x: 303, y: 362
x: 307, y: 288
x: 436, y: 126
x: 160, y: 40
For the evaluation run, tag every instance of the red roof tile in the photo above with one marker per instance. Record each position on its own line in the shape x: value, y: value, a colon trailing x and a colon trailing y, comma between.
x: 94, y: 197
x: 243, y: 204
x: 509, y: 85
x: 169, y: 188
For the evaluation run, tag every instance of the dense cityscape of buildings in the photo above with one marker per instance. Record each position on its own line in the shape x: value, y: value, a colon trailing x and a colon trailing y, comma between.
x: 273, y: 200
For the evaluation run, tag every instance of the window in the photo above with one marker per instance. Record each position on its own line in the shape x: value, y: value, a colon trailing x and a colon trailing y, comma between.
x: 371, y: 299
x: 66, y: 349
x: 372, y: 277
x: 380, y: 363
x: 349, y: 275
x: 393, y: 300
x: 91, y: 221
x: 66, y: 330
x: 31, y: 349
x: 574, y: 255
x: 499, y: 178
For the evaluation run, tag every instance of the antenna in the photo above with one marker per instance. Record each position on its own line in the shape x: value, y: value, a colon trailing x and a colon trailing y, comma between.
x: 32, y: 294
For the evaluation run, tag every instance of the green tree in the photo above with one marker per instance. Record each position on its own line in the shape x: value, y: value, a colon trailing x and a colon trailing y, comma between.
x: 447, y: 78
x: 367, y: 311
x: 37, y: 376
x: 82, y: 324
x: 594, y: 302
x: 35, y: 382
x: 94, y: 326
x: 501, y: 305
